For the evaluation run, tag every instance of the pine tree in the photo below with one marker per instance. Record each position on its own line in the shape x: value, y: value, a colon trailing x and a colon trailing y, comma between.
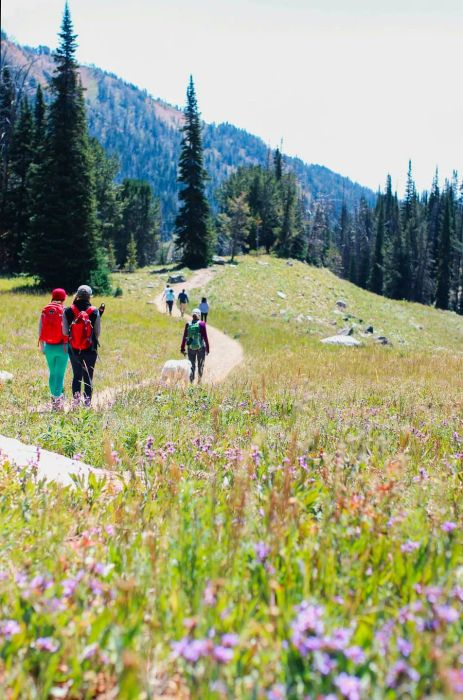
x: 18, y: 196
x: 278, y: 164
x: 288, y: 189
x: 131, y: 262
x: 345, y: 239
x: 444, y: 253
x: 376, y: 279
x: 64, y: 248
x: 410, y: 239
x: 140, y: 219
x: 393, y: 245
x: 236, y: 223
x: 193, y: 237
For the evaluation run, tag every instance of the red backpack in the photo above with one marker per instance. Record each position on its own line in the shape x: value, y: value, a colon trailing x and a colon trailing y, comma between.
x: 81, y: 329
x: 51, y: 330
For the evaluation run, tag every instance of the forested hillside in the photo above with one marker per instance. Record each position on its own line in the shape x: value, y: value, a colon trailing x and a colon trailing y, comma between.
x: 145, y: 134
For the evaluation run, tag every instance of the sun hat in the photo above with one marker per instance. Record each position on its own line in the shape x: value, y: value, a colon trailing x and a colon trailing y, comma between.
x: 58, y: 294
x: 196, y: 312
x: 84, y: 292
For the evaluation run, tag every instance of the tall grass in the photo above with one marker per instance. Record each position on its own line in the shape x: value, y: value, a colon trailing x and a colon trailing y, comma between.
x: 293, y: 533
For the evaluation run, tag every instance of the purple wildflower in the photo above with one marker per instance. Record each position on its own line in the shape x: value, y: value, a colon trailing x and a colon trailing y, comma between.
x: 446, y: 613
x: 209, y: 594
x: 324, y: 664
x: 448, y: 526
x: 355, y: 654
x: 8, y: 628
x: 278, y: 692
x: 349, y: 686
x: 222, y: 654
x: 46, y: 644
x: 230, y: 639
x: 400, y: 672
x: 409, y: 546
x: 455, y: 677
x: 404, y: 646
x: 262, y: 551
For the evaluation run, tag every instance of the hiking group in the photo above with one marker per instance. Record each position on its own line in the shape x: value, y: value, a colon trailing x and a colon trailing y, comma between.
x: 195, y: 342
x: 73, y: 333
x: 70, y: 333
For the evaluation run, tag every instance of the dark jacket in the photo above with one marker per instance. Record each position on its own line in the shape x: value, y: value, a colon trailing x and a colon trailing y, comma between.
x: 95, y: 320
x: 203, y: 331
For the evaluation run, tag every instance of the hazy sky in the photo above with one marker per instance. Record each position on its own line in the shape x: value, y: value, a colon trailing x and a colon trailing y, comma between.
x: 360, y: 86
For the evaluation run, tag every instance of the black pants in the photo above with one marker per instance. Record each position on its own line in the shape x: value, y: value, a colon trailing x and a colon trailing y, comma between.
x: 170, y: 305
x: 204, y: 316
x: 83, y: 364
x: 196, y: 356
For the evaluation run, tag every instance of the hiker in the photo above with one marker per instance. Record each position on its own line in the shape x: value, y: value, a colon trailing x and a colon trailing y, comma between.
x: 82, y: 323
x: 54, y: 345
x: 204, y: 308
x: 169, y: 296
x: 195, y: 338
x: 182, y: 302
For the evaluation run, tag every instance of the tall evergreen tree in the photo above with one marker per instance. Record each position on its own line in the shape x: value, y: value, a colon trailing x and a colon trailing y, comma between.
x: 376, y: 279
x: 393, y: 246
x: 278, y: 164
x: 64, y: 248
x: 18, y: 193
x: 444, y: 255
x: 139, y: 220
x: 193, y: 236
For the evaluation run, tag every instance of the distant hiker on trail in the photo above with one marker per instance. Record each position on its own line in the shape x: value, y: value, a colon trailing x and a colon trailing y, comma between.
x: 204, y: 308
x: 169, y: 296
x: 54, y: 344
x: 182, y: 302
x: 82, y: 323
x: 195, y: 338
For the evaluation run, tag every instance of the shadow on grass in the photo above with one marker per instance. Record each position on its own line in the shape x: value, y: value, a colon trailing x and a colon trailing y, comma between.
x: 24, y: 288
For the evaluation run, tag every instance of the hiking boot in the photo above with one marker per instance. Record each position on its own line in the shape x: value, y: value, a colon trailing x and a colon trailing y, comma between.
x: 75, y: 403
x: 87, y: 401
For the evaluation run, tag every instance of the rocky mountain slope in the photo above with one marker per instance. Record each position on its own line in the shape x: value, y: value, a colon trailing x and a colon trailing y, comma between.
x: 145, y: 134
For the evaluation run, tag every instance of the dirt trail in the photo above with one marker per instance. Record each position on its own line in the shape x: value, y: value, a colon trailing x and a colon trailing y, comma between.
x: 226, y: 353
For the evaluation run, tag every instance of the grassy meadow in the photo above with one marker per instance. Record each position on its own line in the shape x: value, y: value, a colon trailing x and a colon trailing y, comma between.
x: 295, y: 532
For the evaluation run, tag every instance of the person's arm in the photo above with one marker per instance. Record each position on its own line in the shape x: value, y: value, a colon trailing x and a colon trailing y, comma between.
x: 40, y: 343
x: 202, y: 326
x: 65, y: 323
x: 97, y: 324
x: 185, y: 334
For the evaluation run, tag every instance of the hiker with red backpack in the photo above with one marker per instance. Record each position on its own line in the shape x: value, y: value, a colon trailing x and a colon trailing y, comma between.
x: 54, y: 345
x: 82, y: 324
x: 196, y: 340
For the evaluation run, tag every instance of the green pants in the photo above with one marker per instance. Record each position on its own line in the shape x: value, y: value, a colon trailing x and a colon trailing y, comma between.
x: 57, y: 358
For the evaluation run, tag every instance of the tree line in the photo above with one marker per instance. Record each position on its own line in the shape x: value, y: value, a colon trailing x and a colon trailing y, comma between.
x: 64, y: 218
x: 408, y: 249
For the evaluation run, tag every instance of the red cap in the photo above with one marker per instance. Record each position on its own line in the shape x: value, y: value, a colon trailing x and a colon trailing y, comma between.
x: 58, y: 294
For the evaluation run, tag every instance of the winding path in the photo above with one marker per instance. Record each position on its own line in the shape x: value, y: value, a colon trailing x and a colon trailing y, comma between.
x: 225, y: 353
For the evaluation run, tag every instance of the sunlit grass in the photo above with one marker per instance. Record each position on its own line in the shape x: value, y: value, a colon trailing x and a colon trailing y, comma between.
x: 326, y: 475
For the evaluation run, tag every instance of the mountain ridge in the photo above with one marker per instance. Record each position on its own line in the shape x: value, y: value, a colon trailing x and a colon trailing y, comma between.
x: 144, y: 132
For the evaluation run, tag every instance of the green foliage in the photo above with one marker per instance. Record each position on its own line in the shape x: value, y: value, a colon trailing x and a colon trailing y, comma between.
x: 131, y: 260
x: 326, y: 478
x: 64, y: 247
x: 139, y: 220
x: 192, y: 229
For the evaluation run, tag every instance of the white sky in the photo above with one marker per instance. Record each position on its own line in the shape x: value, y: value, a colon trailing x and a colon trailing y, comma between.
x: 360, y: 86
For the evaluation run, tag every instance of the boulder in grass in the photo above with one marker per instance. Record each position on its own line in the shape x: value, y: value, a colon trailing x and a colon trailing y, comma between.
x: 346, y: 340
x: 341, y: 304
x: 176, y: 279
x: 369, y: 329
x: 282, y: 295
x: 218, y: 260
x: 382, y: 340
x: 346, y: 331
x: 5, y: 377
